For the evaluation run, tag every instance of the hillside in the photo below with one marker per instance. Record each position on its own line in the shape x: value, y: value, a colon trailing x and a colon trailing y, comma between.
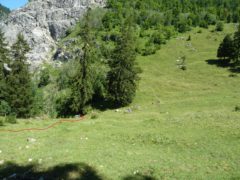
x: 182, y: 125
x: 43, y: 22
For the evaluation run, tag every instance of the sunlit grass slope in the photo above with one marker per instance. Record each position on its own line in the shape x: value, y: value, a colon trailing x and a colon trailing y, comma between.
x: 182, y: 125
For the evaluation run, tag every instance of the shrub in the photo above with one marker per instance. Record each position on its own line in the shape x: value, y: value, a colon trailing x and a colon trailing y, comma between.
x: 4, y: 108
x: 158, y: 38
x: 11, y: 119
x: 237, y: 108
x: 219, y: 26
x: 44, y: 78
x: 149, y: 50
x: 1, y: 122
x: 94, y: 116
x: 63, y: 103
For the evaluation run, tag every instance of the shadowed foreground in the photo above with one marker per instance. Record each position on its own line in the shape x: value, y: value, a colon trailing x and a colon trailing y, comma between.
x: 75, y: 171
x: 64, y: 171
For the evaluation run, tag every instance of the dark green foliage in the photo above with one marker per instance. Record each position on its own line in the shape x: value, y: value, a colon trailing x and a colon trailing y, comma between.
x: 237, y: 108
x: 82, y: 84
x: 5, y: 109
x: 181, y: 14
x: 44, y: 78
x: 64, y: 103
x: 1, y: 122
x: 38, y: 101
x: 236, y: 46
x: 123, y: 74
x: 4, y: 61
x: 149, y: 49
x: 19, y: 86
x: 219, y: 26
x: 225, y: 49
x: 158, y: 38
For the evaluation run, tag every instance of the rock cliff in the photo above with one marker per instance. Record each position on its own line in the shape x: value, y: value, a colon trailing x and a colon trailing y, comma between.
x: 43, y: 22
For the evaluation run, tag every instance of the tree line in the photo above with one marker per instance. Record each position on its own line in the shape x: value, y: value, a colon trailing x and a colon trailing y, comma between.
x: 18, y: 92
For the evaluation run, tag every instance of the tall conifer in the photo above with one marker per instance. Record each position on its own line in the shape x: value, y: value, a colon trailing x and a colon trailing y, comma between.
x: 236, y: 44
x: 225, y: 49
x: 82, y: 86
x: 4, y: 62
x: 19, y: 86
x: 123, y: 74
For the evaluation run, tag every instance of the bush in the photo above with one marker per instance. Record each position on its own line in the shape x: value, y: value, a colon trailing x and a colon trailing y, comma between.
x: 11, y: 119
x: 44, y: 78
x: 94, y: 116
x: 63, y: 103
x: 219, y: 26
x: 237, y: 108
x: 1, y: 122
x: 4, y: 108
x: 158, y: 38
x: 149, y: 50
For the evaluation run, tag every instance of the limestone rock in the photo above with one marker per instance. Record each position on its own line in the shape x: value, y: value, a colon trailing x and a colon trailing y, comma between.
x: 43, y: 22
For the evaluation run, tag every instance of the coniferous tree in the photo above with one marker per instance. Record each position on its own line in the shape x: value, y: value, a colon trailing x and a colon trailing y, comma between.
x: 20, y: 95
x: 82, y: 85
x: 123, y: 75
x: 236, y: 46
x: 4, y: 62
x: 225, y: 49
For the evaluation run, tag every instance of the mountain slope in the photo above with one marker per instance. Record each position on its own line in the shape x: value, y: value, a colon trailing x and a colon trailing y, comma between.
x: 182, y: 124
x: 42, y: 22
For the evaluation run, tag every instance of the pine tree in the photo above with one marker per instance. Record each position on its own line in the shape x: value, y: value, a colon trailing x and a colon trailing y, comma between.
x: 82, y: 85
x: 4, y: 61
x: 225, y: 49
x: 20, y: 96
x: 236, y: 46
x: 123, y: 75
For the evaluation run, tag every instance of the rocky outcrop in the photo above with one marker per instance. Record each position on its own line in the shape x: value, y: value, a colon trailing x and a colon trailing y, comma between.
x: 43, y: 22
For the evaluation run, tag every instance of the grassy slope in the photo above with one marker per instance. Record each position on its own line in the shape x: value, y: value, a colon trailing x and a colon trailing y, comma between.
x: 182, y: 127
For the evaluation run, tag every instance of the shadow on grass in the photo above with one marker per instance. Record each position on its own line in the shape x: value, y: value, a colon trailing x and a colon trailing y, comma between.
x: 224, y: 64
x: 139, y: 177
x: 103, y: 104
x: 219, y: 63
x: 76, y: 171
x: 79, y: 171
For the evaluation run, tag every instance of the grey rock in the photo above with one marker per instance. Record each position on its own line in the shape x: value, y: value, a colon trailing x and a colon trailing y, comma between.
x: 43, y: 22
x: 31, y: 140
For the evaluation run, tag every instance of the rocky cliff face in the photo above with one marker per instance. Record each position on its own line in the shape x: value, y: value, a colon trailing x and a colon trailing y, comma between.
x: 43, y: 22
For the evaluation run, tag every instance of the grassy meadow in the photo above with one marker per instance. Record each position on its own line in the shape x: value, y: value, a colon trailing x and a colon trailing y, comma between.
x: 182, y: 125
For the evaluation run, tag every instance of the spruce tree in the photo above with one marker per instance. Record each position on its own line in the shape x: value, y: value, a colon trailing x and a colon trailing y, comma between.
x: 20, y: 94
x: 225, y: 49
x: 4, y: 62
x: 123, y: 75
x: 82, y: 85
x: 236, y: 46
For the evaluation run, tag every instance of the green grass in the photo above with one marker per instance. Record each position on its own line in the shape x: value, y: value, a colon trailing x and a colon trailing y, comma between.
x: 183, y: 124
